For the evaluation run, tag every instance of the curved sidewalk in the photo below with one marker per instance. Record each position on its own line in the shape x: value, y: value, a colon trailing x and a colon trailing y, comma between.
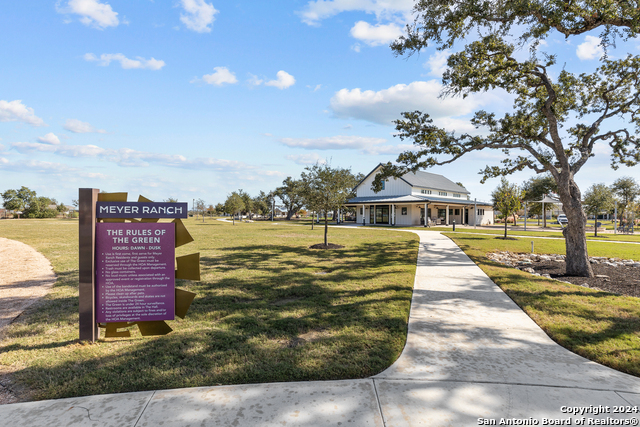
x: 471, y: 355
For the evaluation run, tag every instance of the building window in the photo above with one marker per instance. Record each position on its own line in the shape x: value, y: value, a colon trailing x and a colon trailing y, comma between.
x: 456, y: 195
x: 425, y: 191
x: 404, y: 211
x: 383, y: 184
x: 457, y: 212
x: 361, y: 211
x: 442, y: 213
x: 442, y: 193
x: 450, y: 211
x: 480, y: 211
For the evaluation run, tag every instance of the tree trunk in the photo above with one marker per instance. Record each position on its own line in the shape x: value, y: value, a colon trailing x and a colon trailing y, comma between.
x: 577, y: 259
x: 505, y: 227
x: 290, y: 214
x: 326, y: 228
x: 313, y: 218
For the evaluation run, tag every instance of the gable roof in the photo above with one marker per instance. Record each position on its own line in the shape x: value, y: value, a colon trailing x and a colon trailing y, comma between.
x: 426, y: 180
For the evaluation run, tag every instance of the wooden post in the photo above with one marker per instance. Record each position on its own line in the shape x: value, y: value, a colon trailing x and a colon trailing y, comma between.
x: 87, y: 242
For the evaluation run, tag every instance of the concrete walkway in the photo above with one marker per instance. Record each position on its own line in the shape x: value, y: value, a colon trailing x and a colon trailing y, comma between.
x: 471, y: 355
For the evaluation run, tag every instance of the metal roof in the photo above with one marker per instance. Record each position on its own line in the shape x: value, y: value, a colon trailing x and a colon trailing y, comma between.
x: 413, y: 199
x: 432, y: 180
x: 426, y: 180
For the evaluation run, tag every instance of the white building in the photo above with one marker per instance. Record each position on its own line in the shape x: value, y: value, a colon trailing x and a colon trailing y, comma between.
x: 403, y: 201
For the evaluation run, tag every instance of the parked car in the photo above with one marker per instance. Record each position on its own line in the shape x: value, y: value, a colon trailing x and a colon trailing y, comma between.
x: 562, y: 219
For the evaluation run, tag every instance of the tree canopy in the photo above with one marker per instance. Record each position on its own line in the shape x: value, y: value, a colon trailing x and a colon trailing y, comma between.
x: 30, y: 204
x: 557, y: 116
x: 291, y: 194
x: 443, y: 22
x: 627, y: 189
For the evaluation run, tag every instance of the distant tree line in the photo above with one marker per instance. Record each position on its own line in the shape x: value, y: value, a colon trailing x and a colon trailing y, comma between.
x: 30, y: 204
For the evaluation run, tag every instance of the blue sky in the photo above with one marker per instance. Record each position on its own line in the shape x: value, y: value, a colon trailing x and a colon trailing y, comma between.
x: 197, y: 98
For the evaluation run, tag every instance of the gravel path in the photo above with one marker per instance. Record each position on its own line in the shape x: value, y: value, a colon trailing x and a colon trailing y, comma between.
x: 25, y: 276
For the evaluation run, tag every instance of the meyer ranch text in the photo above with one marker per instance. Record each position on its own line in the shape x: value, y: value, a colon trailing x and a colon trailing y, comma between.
x: 141, y: 210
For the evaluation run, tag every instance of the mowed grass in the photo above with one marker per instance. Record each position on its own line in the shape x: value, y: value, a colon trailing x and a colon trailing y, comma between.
x: 268, y: 309
x: 597, y: 325
x: 520, y: 232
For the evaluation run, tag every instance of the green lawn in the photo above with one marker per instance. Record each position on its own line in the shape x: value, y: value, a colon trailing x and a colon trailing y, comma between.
x: 270, y: 309
x: 267, y: 309
x: 521, y: 232
x: 598, y: 325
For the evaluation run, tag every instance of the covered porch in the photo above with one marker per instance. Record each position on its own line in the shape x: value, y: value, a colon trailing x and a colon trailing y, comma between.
x: 410, y: 211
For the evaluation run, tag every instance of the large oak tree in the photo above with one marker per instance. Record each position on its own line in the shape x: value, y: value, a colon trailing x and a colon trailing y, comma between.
x: 555, y: 122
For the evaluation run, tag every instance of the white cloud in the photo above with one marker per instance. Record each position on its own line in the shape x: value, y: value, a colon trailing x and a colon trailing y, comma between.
x: 283, y: 80
x: 318, y: 10
x: 48, y: 168
x: 590, y: 49
x: 339, y: 142
x: 199, y: 15
x: 315, y: 89
x: 254, y: 80
x: 375, y: 35
x: 76, y: 126
x: 437, y: 63
x: 49, y: 138
x: 306, y: 159
x: 385, y: 105
x: 356, y: 47
x: 126, y: 63
x: 388, y: 149
x: 16, y: 111
x: 128, y: 157
x: 221, y: 76
x: 92, y: 13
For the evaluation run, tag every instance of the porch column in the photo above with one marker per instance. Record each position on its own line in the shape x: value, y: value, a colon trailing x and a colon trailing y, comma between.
x: 393, y: 215
x: 447, y: 215
x: 425, y: 215
x: 374, y: 214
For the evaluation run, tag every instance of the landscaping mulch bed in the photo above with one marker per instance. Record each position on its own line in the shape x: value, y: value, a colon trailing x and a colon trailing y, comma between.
x: 619, y: 276
x: 622, y: 280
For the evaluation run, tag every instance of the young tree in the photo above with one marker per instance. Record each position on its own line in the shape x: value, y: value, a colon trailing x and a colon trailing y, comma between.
x: 536, y: 188
x: 627, y: 189
x: 291, y: 193
x: 261, y: 203
x: 532, y: 135
x: 171, y: 200
x: 507, y: 198
x: 220, y: 209
x: 598, y: 198
x: 234, y: 205
x: 200, y: 206
x: 326, y: 189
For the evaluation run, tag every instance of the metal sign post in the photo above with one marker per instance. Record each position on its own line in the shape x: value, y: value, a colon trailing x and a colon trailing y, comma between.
x: 87, y: 243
